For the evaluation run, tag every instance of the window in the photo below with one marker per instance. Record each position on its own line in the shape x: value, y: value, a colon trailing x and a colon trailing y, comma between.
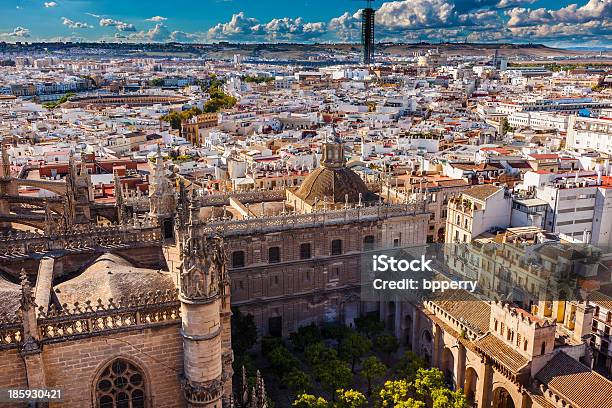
x: 237, y: 259
x: 368, y: 243
x: 275, y: 280
x: 335, y: 273
x: 336, y: 247
x: 305, y: 252
x: 543, y: 348
x: 274, y: 254
x: 525, y: 345
x: 121, y: 384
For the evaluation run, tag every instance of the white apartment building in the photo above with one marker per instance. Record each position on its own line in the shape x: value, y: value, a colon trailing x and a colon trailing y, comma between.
x: 578, y: 210
x: 590, y: 133
x: 538, y: 121
x: 601, y: 334
x: 565, y: 105
x: 477, y: 210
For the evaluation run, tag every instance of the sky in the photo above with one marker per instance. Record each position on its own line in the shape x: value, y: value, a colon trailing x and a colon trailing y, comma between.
x: 552, y: 22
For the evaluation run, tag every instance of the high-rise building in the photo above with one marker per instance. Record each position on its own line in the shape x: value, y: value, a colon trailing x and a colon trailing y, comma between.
x: 367, y: 33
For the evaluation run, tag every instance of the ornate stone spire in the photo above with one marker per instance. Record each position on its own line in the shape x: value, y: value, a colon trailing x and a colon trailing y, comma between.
x: 122, y: 215
x: 161, y: 192
x: 333, y: 150
x: 202, y: 281
x: 203, y: 269
x: 6, y: 163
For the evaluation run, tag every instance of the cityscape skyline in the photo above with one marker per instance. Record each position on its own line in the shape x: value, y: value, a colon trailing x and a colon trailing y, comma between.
x: 559, y: 24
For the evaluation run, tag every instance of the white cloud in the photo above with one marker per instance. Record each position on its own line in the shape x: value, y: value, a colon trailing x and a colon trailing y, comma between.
x: 157, y: 19
x: 119, y: 25
x: 74, y: 24
x: 414, y: 14
x: 593, y: 10
x: 513, y: 3
x: 238, y: 25
x: 50, y: 4
x: 181, y: 36
x: 289, y: 29
x: 346, y: 27
x: 20, y: 32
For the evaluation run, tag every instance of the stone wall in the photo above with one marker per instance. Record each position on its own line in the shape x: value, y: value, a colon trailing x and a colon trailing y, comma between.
x: 12, y: 372
x: 73, y: 366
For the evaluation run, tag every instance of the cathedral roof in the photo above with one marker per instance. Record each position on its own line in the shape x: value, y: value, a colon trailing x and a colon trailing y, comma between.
x: 10, y: 296
x: 334, y: 184
x: 506, y: 355
x: 575, y: 382
x: 111, y: 276
x: 465, y: 307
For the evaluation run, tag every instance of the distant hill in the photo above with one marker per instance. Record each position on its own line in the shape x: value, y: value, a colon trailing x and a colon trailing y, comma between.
x: 288, y: 51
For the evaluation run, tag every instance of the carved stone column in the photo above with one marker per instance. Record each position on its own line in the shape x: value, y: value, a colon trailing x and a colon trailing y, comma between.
x: 485, y: 379
x: 202, y: 288
x: 30, y: 347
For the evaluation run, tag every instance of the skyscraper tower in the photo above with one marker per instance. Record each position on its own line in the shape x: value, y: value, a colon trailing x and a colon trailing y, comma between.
x: 367, y: 33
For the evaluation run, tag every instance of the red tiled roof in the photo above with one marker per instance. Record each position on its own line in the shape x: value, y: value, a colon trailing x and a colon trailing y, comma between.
x: 575, y: 382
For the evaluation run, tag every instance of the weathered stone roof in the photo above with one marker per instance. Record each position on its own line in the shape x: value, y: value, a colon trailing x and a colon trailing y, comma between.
x: 10, y: 296
x: 500, y: 351
x: 111, y: 276
x: 334, y: 184
x: 463, y: 306
x: 575, y: 382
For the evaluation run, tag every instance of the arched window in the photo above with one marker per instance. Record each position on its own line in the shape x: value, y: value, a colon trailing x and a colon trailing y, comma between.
x: 237, y: 259
x: 121, y: 385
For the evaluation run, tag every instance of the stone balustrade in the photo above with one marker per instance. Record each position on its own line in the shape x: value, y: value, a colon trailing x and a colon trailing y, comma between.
x: 315, y: 219
x: 78, y: 237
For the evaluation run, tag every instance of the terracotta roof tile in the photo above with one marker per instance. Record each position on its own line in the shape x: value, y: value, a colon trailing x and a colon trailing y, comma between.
x: 482, y: 192
x: 578, y: 384
x: 502, y: 352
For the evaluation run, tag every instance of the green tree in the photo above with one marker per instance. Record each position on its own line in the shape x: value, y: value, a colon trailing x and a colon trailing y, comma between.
x: 397, y: 393
x: 353, y: 347
x: 335, y: 332
x: 369, y: 325
x: 428, y: 380
x: 408, y: 365
x: 317, y: 353
x: 157, y: 82
x: 174, y: 118
x: 310, y: 401
x: 445, y: 398
x: 334, y: 374
x: 350, y: 399
x: 304, y: 336
x: 372, y: 369
x: 298, y: 381
x: 282, y: 360
x: 269, y: 343
x: 387, y: 344
x: 505, y: 126
x: 244, y: 332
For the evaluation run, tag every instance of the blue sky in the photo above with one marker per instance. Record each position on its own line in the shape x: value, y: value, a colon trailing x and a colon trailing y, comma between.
x: 562, y: 23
